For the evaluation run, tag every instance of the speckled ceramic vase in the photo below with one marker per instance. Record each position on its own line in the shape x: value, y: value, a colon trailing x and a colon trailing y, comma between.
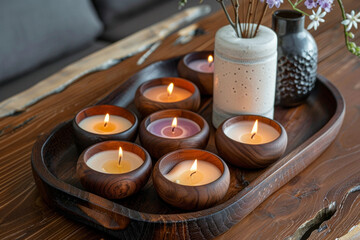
x: 244, y: 74
x: 297, y: 58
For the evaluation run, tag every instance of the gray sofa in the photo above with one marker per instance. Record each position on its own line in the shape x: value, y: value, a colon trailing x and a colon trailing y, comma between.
x: 40, y: 37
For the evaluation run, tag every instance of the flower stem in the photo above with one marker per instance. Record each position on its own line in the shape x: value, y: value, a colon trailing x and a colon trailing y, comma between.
x: 349, y: 46
x: 261, y: 18
x: 228, y: 16
x: 253, y: 20
x: 341, y: 5
x: 248, y: 16
x: 294, y: 6
x: 237, y: 19
x: 298, y: 2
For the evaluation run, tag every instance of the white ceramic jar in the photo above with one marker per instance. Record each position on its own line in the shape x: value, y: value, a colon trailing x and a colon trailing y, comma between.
x: 244, y: 74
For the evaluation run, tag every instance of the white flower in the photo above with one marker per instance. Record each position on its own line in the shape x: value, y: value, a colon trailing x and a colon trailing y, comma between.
x: 316, y: 18
x: 351, y: 20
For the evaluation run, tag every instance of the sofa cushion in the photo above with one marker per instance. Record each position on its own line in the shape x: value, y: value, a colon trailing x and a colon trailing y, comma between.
x: 113, y: 10
x: 36, y: 31
x: 157, y: 12
x: 25, y: 81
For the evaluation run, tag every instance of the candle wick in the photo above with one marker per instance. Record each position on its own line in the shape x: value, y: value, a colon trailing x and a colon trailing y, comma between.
x: 105, y: 124
x: 252, y: 136
x: 192, y: 173
x: 173, y: 130
x: 211, y: 63
x: 120, y: 158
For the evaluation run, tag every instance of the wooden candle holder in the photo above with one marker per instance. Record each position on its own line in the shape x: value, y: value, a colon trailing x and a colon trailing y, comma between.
x: 190, y: 197
x: 204, y: 81
x: 159, y: 146
x: 147, y: 106
x: 85, y: 138
x: 250, y: 155
x: 113, y: 186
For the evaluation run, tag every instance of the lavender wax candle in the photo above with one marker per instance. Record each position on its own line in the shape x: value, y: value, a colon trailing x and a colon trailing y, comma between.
x: 199, y: 68
x: 203, y: 65
x: 174, y: 128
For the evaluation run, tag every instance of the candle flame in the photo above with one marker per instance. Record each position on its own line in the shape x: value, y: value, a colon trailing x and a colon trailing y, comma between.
x: 174, y: 124
x: 120, y: 155
x: 254, y: 129
x: 170, y: 89
x: 106, y: 119
x: 210, y: 59
x: 194, y: 166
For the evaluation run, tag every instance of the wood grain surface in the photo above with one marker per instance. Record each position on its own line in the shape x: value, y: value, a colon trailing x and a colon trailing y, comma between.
x: 327, y: 189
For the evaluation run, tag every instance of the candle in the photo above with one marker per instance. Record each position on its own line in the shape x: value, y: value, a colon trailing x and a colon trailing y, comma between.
x: 251, y: 132
x: 168, y: 93
x: 105, y: 124
x: 193, y: 173
x: 173, y: 128
x: 160, y: 134
x: 114, y: 169
x: 191, y: 178
x: 250, y: 141
x: 203, y: 65
x: 114, y: 162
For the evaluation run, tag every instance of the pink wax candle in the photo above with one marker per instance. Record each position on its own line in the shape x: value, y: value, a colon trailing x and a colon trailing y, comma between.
x: 166, y: 128
x: 202, y: 65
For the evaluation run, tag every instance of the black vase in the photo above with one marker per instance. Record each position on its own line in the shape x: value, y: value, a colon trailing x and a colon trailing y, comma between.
x: 297, y: 58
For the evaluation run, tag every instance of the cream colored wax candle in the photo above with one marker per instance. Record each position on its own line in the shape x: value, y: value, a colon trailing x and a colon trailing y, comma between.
x: 96, y: 124
x: 203, y: 65
x: 242, y: 132
x: 108, y: 162
x: 186, y: 174
x: 165, y: 93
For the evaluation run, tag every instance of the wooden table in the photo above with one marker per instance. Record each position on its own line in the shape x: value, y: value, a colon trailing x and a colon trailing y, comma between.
x: 328, y: 189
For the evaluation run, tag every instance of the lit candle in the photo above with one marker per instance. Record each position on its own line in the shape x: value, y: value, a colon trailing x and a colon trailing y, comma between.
x: 250, y: 132
x: 193, y: 173
x: 173, y: 127
x: 168, y: 93
x: 203, y: 65
x: 105, y: 124
x: 114, y: 161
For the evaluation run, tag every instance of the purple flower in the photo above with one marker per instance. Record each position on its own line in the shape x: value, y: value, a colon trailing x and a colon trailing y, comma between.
x: 325, y: 4
x: 275, y: 3
x: 310, y: 4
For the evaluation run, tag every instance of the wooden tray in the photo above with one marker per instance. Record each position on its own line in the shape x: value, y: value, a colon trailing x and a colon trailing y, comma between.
x: 311, y: 127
